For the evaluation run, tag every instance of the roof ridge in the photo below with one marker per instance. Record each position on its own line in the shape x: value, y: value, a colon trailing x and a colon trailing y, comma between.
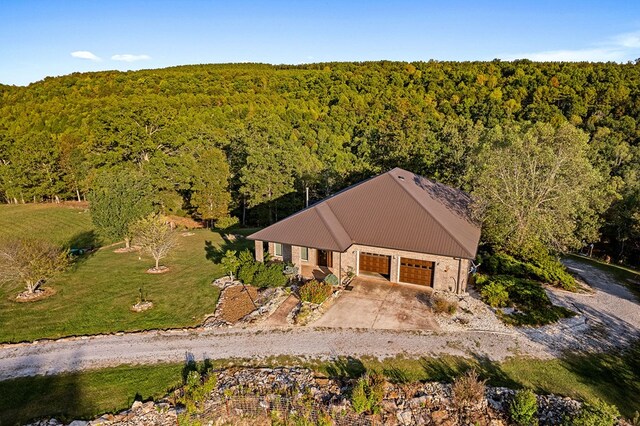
x: 413, y: 197
x: 330, y: 228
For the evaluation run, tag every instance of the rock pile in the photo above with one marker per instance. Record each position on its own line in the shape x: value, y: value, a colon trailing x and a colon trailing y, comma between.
x: 246, y: 395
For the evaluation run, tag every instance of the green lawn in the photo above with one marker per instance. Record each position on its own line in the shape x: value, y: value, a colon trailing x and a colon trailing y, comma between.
x: 624, y: 274
x: 612, y: 377
x: 84, y: 395
x: 96, y: 294
x: 65, y: 224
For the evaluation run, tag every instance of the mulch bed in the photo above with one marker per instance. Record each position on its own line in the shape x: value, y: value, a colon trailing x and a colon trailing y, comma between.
x: 41, y: 293
x: 236, y: 303
x: 160, y: 270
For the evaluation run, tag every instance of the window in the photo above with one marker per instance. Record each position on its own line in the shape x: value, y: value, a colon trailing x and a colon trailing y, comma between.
x: 304, y: 253
x: 277, y: 247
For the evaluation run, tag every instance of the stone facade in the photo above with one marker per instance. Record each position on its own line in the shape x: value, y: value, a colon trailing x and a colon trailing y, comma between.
x: 450, y: 274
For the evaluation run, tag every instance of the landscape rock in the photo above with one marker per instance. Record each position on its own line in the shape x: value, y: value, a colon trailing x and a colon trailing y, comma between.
x: 254, y: 394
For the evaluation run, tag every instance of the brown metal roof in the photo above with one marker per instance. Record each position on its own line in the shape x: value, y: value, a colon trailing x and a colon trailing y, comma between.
x: 397, y: 210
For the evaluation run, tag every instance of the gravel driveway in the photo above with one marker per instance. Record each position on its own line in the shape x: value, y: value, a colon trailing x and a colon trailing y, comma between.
x: 610, y: 317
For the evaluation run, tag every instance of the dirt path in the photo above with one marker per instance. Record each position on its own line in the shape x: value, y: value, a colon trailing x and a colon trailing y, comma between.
x: 610, y: 317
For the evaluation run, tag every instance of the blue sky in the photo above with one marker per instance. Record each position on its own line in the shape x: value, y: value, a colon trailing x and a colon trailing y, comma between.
x: 49, y: 38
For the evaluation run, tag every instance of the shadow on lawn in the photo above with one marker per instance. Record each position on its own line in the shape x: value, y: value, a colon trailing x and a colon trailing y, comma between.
x: 60, y: 396
x: 446, y: 369
x: 614, y: 376
x: 215, y: 253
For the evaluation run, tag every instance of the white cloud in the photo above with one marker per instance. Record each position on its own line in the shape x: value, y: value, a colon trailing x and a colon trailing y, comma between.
x: 628, y: 40
x: 617, y: 48
x: 130, y: 58
x: 85, y: 54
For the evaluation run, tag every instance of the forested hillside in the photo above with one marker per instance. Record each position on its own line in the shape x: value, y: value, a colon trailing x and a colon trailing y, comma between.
x: 271, y: 131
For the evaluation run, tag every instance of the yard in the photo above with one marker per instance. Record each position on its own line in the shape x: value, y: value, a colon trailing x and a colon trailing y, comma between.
x: 66, y: 224
x: 613, y: 377
x: 96, y: 294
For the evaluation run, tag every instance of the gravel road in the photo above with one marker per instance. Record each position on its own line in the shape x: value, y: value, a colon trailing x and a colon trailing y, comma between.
x: 610, y: 317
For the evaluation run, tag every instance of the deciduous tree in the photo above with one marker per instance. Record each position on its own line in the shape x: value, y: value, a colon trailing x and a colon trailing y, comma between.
x: 154, y: 236
x: 119, y: 197
x: 30, y: 262
x: 534, y: 185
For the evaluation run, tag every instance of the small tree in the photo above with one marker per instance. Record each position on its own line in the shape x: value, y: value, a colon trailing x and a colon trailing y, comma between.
x: 154, y: 236
x: 230, y: 263
x: 30, y: 262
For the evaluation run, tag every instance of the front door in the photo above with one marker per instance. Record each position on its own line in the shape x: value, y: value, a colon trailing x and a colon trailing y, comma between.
x: 325, y: 258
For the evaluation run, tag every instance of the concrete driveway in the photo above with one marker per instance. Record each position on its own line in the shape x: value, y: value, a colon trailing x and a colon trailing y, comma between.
x: 379, y: 304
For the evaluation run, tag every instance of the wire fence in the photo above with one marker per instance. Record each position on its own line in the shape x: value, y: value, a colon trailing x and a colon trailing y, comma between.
x: 278, y: 411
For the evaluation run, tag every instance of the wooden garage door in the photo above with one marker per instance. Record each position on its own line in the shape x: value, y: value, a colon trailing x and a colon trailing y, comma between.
x: 379, y: 263
x: 416, y: 271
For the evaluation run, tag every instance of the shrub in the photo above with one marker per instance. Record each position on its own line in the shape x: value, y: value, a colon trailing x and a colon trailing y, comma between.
x: 331, y: 279
x: 227, y: 222
x: 246, y: 258
x: 315, y: 292
x: 247, y: 272
x: 545, y: 269
x: 367, y: 394
x: 440, y: 305
x: 495, y: 294
x: 523, y: 408
x: 270, y: 275
x: 598, y: 413
x: 467, y: 390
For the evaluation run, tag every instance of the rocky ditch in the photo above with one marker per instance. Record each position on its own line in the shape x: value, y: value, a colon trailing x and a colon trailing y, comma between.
x: 269, y: 396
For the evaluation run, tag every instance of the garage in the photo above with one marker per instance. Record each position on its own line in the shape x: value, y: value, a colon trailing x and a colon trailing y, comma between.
x: 416, y: 271
x: 376, y: 263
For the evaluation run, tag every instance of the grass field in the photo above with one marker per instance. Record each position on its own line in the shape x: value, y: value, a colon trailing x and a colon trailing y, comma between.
x: 612, y: 377
x: 65, y: 224
x: 86, y: 395
x: 96, y: 294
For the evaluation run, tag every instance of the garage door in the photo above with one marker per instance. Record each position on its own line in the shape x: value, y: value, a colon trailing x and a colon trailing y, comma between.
x: 371, y: 262
x: 416, y: 271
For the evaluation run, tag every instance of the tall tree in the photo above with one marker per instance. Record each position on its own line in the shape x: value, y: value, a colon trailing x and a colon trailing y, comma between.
x: 210, y: 189
x: 534, y: 184
x: 119, y: 197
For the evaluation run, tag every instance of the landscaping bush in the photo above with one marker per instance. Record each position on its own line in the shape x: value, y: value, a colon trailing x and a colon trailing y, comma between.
x: 524, y: 408
x: 495, y: 294
x: 270, y: 275
x: 247, y: 272
x: 440, y: 305
x: 315, y: 292
x: 544, y: 269
x: 527, y: 296
x: 331, y: 279
x: 598, y: 413
x: 467, y: 390
x: 367, y: 394
x: 260, y: 274
x: 246, y: 258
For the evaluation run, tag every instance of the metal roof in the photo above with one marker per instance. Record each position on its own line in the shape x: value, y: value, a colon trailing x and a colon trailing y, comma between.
x: 397, y: 210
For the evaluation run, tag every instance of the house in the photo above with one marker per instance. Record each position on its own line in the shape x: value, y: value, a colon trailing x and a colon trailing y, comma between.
x: 396, y: 226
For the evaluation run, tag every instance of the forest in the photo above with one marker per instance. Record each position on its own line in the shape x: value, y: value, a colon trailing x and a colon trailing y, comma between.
x: 244, y: 141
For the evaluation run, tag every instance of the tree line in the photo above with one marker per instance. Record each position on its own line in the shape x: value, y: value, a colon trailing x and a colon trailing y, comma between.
x: 245, y: 140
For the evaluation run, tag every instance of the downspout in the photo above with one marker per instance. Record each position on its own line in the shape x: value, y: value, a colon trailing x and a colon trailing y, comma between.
x: 340, y: 268
x: 458, y: 282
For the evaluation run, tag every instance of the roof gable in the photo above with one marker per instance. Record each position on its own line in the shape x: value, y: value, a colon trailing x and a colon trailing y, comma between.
x: 397, y: 209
